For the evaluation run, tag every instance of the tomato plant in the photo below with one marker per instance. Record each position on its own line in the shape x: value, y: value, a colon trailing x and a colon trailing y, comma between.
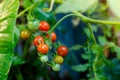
x: 32, y: 37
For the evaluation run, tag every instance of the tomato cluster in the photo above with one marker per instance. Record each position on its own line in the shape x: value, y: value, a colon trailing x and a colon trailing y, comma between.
x: 41, y: 42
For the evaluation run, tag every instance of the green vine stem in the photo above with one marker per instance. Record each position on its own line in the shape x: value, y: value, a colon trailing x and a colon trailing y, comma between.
x: 85, y: 19
x: 27, y: 9
x: 50, y: 8
x: 96, y: 56
x: 90, y: 60
x: 91, y: 31
x: 94, y: 67
x: 54, y: 27
x: 90, y: 20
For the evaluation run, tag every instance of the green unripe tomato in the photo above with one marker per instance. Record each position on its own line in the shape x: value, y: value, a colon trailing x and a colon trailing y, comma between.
x: 56, y: 67
x: 44, y: 58
x: 33, y: 25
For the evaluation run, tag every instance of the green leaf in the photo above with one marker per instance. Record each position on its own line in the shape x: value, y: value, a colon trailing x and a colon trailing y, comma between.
x: 76, y: 47
x: 94, y: 28
x: 5, y: 63
x: 117, y: 50
x: 76, y: 5
x: 97, y: 49
x: 114, y: 6
x: 8, y: 13
x: 102, y: 40
x: 26, y: 3
x: 88, y: 34
x: 80, y: 67
x: 85, y: 56
x: 16, y: 36
x: 17, y: 60
x: 92, y: 8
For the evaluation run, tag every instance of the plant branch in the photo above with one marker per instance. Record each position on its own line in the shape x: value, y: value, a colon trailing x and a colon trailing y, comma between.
x: 90, y: 20
x: 91, y: 31
x: 85, y: 19
x: 53, y: 28
x: 94, y: 67
x: 25, y: 10
x: 50, y: 8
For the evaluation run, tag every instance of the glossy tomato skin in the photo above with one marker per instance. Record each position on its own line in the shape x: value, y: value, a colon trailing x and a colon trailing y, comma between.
x: 25, y: 34
x: 43, y: 48
x: 44, y: 26
x: 44, y: 58
x: 53, y: 36
x: 38, y: 40
x: 56, y: 67
x: 33, y: 25
x: 59, y: 59
x: 62, y: 51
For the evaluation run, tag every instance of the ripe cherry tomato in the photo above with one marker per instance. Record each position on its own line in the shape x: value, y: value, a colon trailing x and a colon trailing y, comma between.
x: 58, y: 59
x: 38, y: 40
x: 43, y: 48
x: 56, y: 67
x: 44, y: 58
x: 54, y: 37
x: 62, y: 50
x: 25, y: 34
x: 44, y: 26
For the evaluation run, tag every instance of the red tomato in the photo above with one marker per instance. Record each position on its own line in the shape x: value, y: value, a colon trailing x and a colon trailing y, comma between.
x: 62, y: 50
x: 38, y: 40
x: 54, y: 36
x: 43, y: 48
x: 44, y: 26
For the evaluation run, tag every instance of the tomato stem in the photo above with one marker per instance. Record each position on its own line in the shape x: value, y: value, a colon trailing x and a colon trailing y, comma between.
x: 53, y: 28
x: 85, y: 19
x: 94, y: 67
x: 50, y: 8
x: 91, y: 31
x: 27, y: 9
x: 91, y: 20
